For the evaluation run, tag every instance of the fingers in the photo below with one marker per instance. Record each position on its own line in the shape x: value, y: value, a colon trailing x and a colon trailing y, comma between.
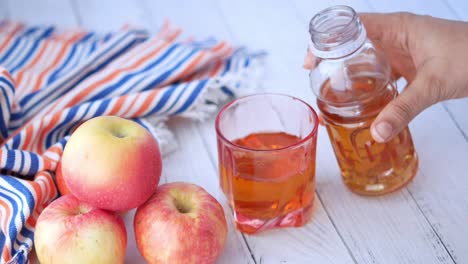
x: 420, y: 94
x: 308, y: 60
x: 388, y: 29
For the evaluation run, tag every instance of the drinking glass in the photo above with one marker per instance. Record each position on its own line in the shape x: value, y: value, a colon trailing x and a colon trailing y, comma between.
x: 266, y: 152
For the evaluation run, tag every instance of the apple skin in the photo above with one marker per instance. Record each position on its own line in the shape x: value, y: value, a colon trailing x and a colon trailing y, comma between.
x: 112, y: 163
x: 61, y: 185
x: 71, y: 231
x: 180, y: 223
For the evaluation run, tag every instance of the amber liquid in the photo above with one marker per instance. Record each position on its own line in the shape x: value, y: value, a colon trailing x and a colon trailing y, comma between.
x: 367, y: 167
x: 269, y: 189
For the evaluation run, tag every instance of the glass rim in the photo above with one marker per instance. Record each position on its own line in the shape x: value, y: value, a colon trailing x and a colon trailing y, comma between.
x: 309, y: 136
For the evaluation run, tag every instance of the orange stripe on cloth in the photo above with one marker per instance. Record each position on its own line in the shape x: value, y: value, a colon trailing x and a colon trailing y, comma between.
x: 200, y: 60
x: 168, y: 38
x: 146, y: 104
x: 215, y: 69
x: 10, y: 36
x: 189, y: 69
x: 82, y: 94
x: 118, y: 105
x: 43, y: 132
x: 132, y: 104
x: 20, y: 74
x: 28, y: 136
x: 57, y: 60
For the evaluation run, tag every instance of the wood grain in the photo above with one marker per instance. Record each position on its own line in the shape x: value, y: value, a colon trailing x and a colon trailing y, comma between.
x: 440, y: 191
x: 423, y: 223
x: 42, y: 12
x: 190, y: 163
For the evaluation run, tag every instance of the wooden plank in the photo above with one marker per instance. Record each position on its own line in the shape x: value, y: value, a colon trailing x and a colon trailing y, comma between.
x: 316, y: 242
x: 440, y: 188
x: 110, y: 15
x: 209, y: 23
x: 198, y: 19
x: 190, y: 163
x: 279, y: 245
x: 458, y: 110
x: 43, y: 12
x: 4, y: 9
x: 458, y: 8
x: 400, y: 215
x: 286, y: 39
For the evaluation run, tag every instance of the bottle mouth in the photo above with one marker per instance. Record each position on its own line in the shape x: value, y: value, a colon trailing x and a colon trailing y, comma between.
x: 336, y: 31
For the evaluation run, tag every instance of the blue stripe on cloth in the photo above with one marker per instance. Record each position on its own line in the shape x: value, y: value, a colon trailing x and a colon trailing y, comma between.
x: 58, y: 71
x: 4, y: 108
x: 184, y: 89
x: 227, y: 91
x: 2, y: 237
x: 130, y: 75
x: 44, y: 96
x: 43, y: 34
x: 8, y: 93
x: 169, y: 72
x: 27, y: 200
x: 15, y: 183
x: 143, y: 124
x: 84, y: 60
x: 16, y: 141
x: 66, y: 121
x: 247, y: 62
x: 23, y: 192
x: 227, y: 67
x: 113, y: 57
x: 8, y: 83
x: 34, y: 168
x: 12, y: 231
x: 10, y: 160
x: 151, y: 74
x: 163, y: 100
x: 16, y: 116
x: 162, y: 77
x: 196, y: 92
x: 102, y: 107
x: 31, y: 51
x: 22, y: 161
x: 77, y: 121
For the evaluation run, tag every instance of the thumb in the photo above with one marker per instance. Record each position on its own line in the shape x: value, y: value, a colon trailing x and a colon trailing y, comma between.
x: 421, y: 93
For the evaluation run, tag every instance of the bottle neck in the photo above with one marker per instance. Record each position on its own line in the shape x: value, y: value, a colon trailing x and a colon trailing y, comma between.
x: 336, y: 32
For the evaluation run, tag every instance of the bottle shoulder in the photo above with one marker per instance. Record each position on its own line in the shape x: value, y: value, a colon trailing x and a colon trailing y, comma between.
x: 350, y: 79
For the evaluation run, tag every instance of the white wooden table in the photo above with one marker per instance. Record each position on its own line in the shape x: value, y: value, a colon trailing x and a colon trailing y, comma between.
x: 426, y: 222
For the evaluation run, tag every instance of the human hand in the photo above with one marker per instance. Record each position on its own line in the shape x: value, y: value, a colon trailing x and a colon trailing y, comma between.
x: 430, y: 53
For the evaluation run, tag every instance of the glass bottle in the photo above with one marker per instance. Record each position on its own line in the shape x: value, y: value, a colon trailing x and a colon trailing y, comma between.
x: 352, y: 82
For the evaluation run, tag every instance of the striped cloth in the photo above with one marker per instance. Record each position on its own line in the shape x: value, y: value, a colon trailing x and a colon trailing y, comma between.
x: 52, y: 80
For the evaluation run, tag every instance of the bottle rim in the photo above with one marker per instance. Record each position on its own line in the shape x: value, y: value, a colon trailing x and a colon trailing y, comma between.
x: 339, y: 40
x: 354, y: 17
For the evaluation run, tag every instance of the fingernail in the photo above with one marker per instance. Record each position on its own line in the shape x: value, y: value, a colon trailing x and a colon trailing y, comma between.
x: 382, y: 131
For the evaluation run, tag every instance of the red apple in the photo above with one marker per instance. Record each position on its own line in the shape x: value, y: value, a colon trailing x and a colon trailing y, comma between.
x: 180, y: 223
x: 70, y: 231
x: 112, y: 163
x: 61, y: 185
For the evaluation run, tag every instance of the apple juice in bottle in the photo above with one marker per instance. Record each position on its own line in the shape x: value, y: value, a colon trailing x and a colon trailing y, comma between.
x: 352, y: 82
